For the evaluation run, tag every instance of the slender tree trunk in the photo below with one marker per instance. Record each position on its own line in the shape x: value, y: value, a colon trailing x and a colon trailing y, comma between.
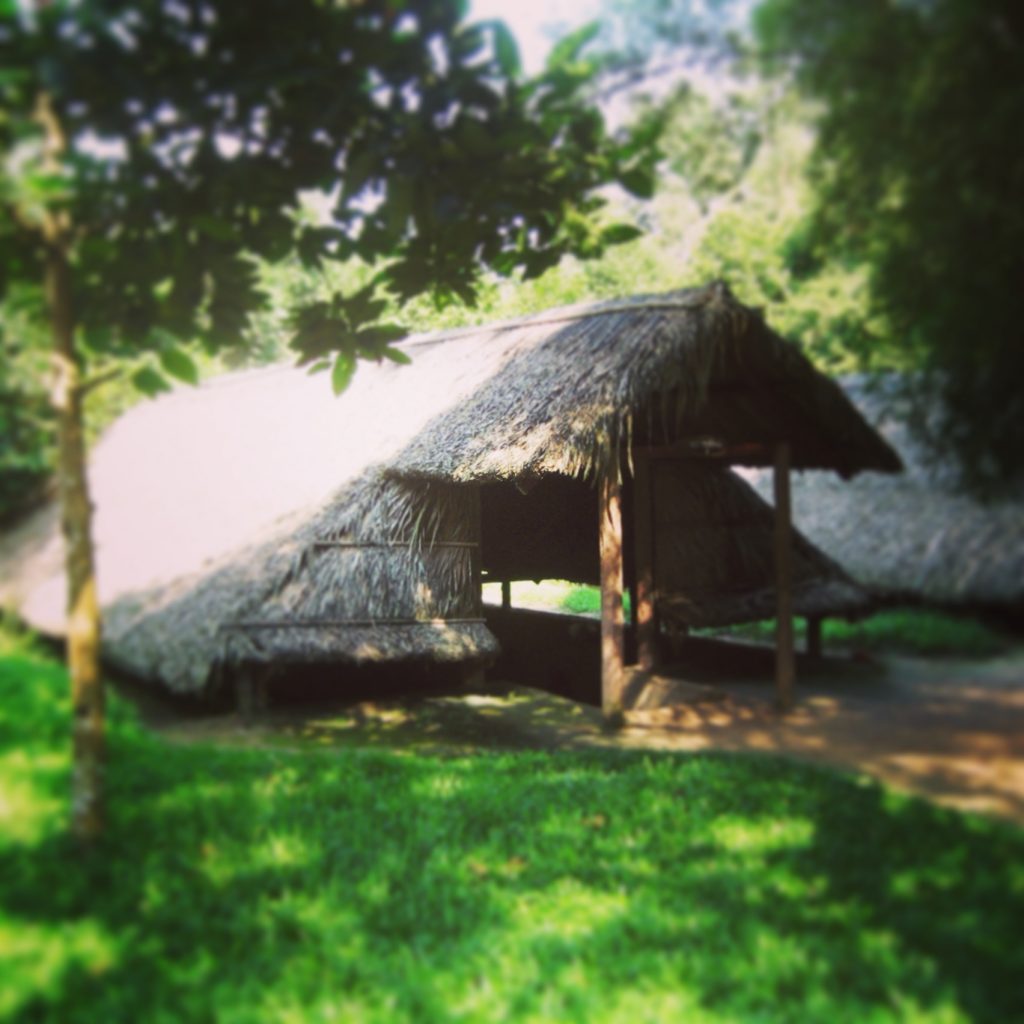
x: 83, y: 623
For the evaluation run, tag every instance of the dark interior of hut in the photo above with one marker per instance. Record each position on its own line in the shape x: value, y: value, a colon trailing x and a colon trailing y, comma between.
x: 711, y: 557
x: 544, y: 528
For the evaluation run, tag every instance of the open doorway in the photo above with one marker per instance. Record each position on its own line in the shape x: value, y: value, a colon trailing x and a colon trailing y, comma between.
x: 532, y: 534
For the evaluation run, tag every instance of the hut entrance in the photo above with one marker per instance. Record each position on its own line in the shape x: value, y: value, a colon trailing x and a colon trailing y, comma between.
x: 684, y: 538
x: 543, y: 530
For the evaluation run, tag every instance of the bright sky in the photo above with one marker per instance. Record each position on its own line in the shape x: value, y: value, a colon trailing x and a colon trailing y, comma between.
x: 536, y: 23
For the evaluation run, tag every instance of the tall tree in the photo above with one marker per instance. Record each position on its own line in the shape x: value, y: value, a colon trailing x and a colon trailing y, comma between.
x: 151, y: 147
x: 919, y: 173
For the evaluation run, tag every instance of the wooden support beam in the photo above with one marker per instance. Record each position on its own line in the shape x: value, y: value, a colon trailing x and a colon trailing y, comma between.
x: 814, y: 636
x: 708, y: 448
x: 609, y: 527
x: 506, y: 595
x: 476, y: 561
x: 785, y: 671
x: 643, y: 537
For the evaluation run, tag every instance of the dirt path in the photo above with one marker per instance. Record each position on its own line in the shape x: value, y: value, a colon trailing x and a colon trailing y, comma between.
x: 949, y: 730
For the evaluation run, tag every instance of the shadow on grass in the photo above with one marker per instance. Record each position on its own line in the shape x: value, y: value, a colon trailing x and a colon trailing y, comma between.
x: 254, y: 885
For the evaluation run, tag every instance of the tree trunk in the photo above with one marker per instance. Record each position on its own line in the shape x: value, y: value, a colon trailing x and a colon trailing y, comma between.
x: 83, y: 624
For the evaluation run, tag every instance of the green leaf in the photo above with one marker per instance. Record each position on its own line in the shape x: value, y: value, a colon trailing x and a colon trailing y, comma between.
x: 341, y: 375
x: 215, y: 227
x: 149, y: 382
x: 616, y: 234
x: 98, y: 339
x: 506, y: 50
x: 396, y: 355
x: 638, y: 182
x: 373, y: 340
x: 568, y: 49
x: 48, y: 184
x: 179, y: 364
x: 362, y: 307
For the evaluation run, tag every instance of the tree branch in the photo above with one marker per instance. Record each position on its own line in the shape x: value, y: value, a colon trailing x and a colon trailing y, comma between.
x: 99, y: 380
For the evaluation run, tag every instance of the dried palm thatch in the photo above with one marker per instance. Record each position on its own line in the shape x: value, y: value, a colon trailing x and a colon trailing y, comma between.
x: 257, y: 519
x: 572, y: 386
x: 918, y: 536
x: 713, y: 554
x: 714, y: 562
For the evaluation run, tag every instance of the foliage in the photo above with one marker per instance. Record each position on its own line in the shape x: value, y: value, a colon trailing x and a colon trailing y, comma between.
x: 192, y: 128
x: 168, y: 144
x: 905, y: 630
x: 731, y: 202
x: 246, y: 885
x: 918, y: 173
x: 27, y: 454
x: 917, y: 631
x: 641, y: 41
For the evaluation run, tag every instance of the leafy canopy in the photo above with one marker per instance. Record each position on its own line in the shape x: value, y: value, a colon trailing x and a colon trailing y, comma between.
x: 919, y: 173
x: 192, y: 128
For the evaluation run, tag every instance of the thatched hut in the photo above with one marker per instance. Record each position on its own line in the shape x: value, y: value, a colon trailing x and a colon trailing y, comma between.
x: 257, y: 522
x: 921, y: 536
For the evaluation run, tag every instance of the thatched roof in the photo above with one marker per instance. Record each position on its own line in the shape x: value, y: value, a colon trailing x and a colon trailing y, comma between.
x: 563, y: 388
x: 713, y: 544
x: 258, y: 518
x: 715, y: 562
x: 919, y: 535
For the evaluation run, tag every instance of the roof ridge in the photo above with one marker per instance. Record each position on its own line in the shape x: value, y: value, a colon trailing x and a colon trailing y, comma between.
x: 572, y: 314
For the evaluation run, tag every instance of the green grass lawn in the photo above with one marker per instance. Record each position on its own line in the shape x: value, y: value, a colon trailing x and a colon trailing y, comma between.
x: 919, y: 631
x: 916, y: 631
x: 341, y: 885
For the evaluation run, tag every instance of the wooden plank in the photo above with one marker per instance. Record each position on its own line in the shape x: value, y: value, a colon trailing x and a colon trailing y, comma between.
x: 643, y: 538
x: 814, y: 636
x: 506, y: 595
x: 785, y: 668
x: 609, y: 511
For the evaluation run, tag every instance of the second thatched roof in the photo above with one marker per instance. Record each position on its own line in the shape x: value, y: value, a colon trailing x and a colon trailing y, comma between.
x: 919, y: 536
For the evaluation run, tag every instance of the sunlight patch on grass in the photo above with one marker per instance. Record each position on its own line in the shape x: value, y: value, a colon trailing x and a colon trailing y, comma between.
x: 568, y: 909
x: 33, y: 793
x: 652, y: 1004
x: 913, y: 1011
x: 36, y: 960
x: 444, y: 786
x: 253, y: 884
x: 280, y: 850
x: 740, y: 835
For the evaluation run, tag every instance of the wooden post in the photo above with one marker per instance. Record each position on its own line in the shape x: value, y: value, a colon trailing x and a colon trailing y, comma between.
x: 643, y: 537
x: 814, y: 636
x: 609, y: 511
x: 784, y: 660
x: 506, y: 595
x: 476, y: 558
